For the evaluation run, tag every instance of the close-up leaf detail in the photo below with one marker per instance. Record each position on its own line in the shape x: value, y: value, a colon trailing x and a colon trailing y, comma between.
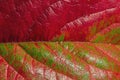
x: 59, y: 39
x: 60, y: 60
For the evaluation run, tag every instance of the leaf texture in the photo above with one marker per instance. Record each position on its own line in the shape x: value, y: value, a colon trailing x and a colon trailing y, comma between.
x: 60, y: 60
x: 95, y: 24
x: 47, y: 20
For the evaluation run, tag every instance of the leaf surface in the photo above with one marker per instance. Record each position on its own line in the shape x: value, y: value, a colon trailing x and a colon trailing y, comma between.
x: 95, y: 24
x: 60, y: 60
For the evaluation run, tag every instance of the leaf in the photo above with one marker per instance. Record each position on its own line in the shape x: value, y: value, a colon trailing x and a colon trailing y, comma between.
x: 26, y: 20
x: 7, y: 72
x: 96, y: 57
x: 84, y: 28
x: 61, y: 60
x: 109, y: 35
